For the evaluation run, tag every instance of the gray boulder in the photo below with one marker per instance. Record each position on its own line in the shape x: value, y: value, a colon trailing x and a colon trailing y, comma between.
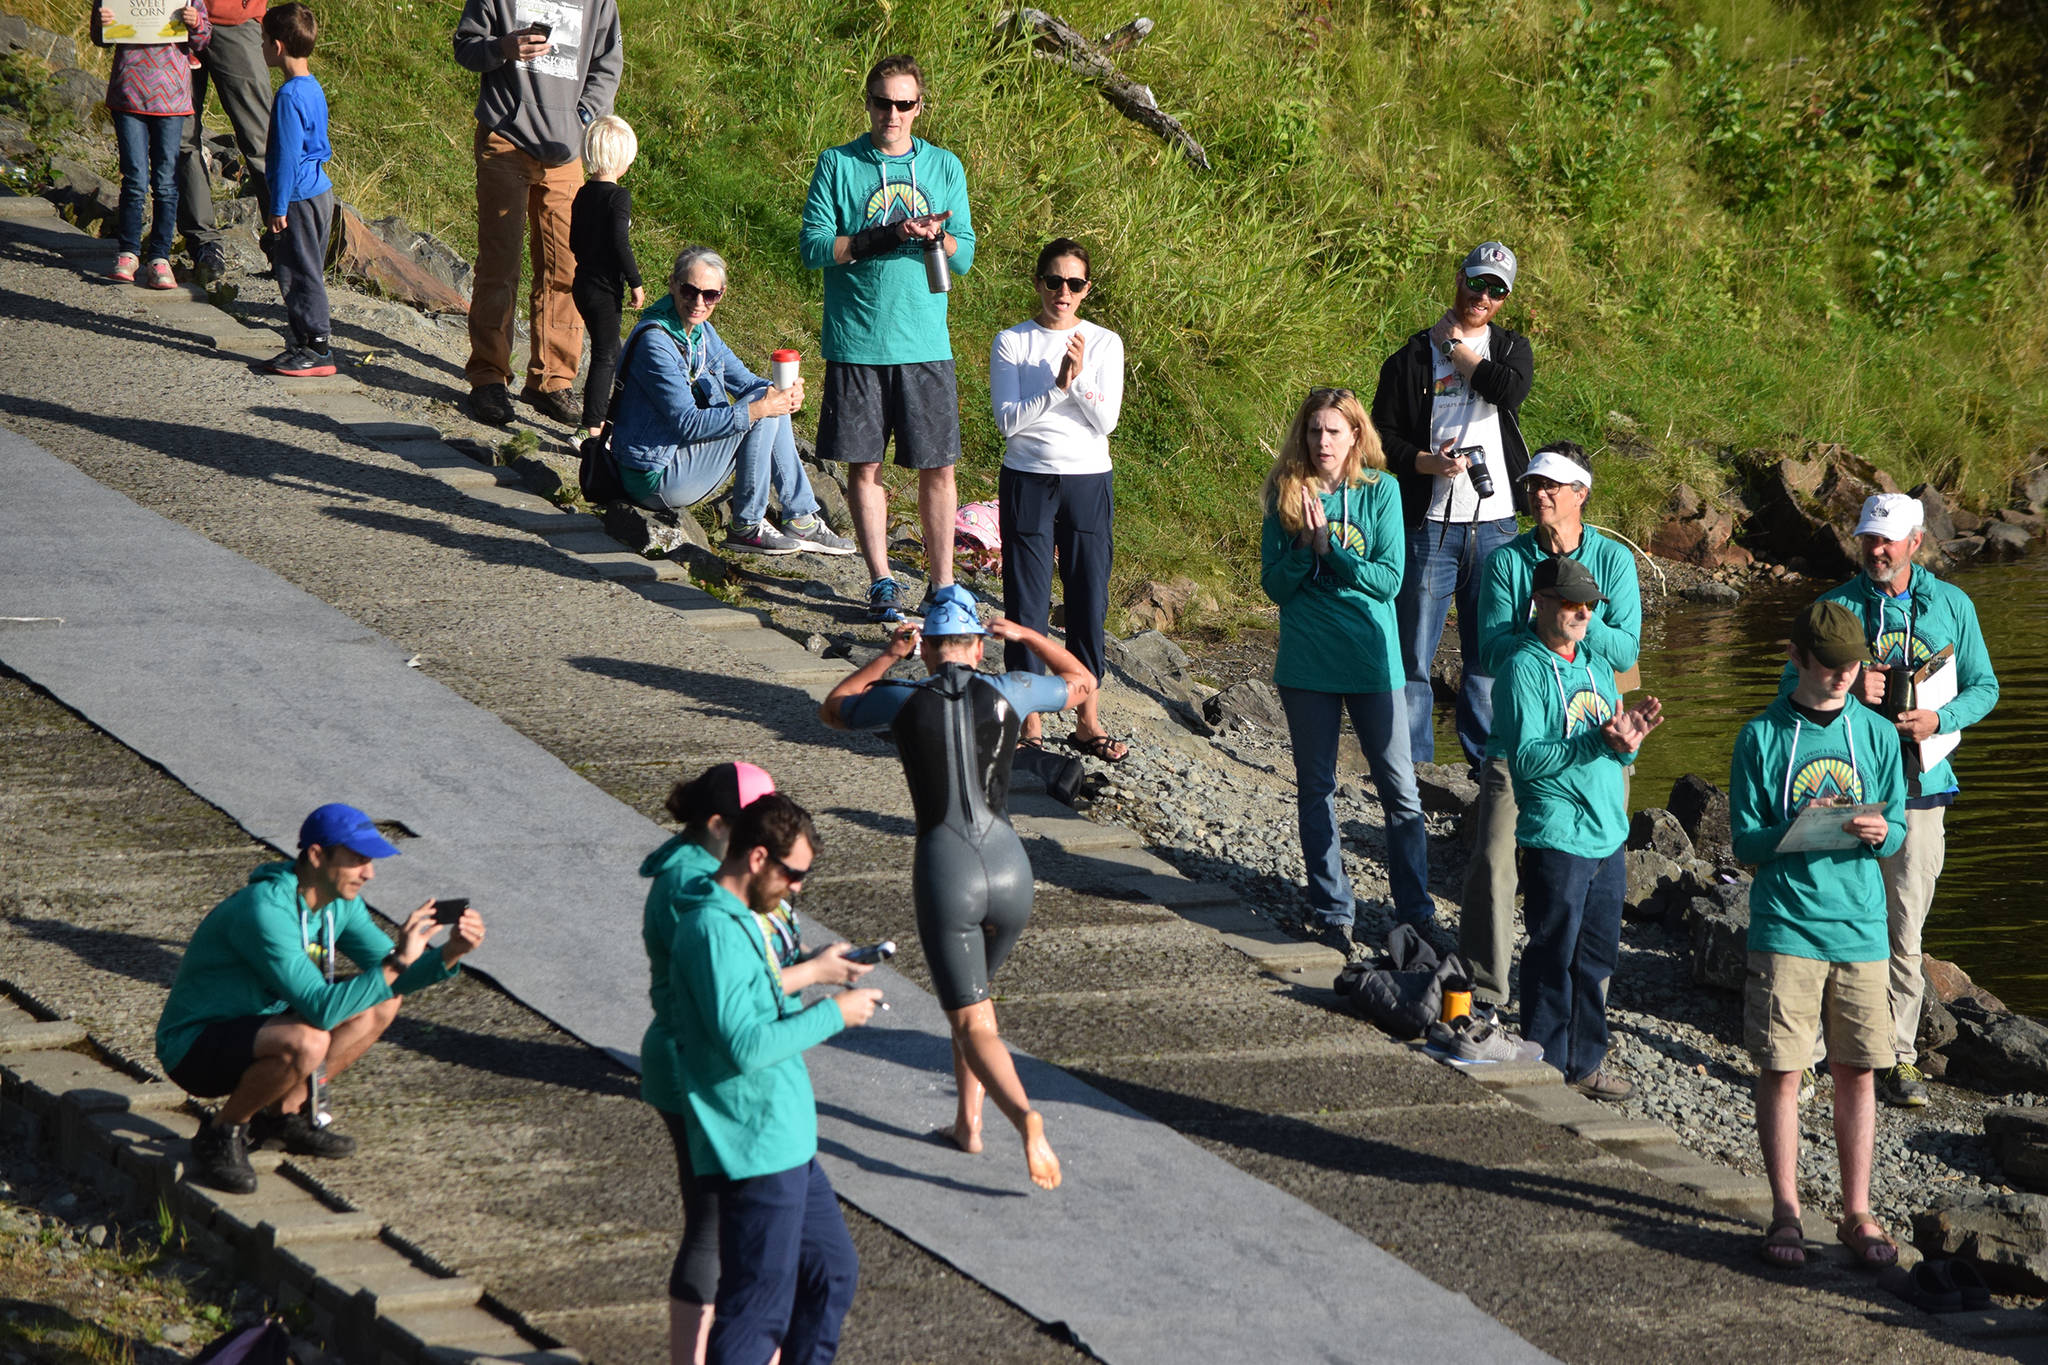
x: 2004, y: 1235
x: 1711, y: 592
x: 2031, y: 488
x: 1701, y: 809
x: 2019, y: 1143
x: 82, y: 194
x: 1445, y: 788
x: 1660, y: 830
x: 78, y: 93
x: 652, y: 532
x: 1154, y: 663
x: 15, y: 140
x: 1718, y: 926
x: 54, y: 48
x: 1247, y: 703
x: 1939, y: 524
x: 1649, y: 872
x: 2004, y: 540
x: 1996, y: 1051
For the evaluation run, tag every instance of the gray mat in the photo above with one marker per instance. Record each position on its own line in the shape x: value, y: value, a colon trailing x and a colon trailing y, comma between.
x: 266, y: 701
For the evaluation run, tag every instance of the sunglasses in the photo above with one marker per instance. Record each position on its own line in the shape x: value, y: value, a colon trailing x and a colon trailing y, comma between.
x: 1055, y: 283
x: 881, y: 102
x: 1329, y: 395
x: 794, y: 875
x: 1490, y: 288
x: 686, y: 292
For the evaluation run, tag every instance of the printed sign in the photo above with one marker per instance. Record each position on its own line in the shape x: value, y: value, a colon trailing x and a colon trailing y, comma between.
x: 141, y: 22
x: 565, y: 36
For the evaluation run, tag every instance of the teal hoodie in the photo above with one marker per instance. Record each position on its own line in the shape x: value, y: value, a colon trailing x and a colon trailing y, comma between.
x: 1913, y: 627
x: 880, y: 311
x: 259, y: 952
x: 672, y: 866
x: 1547, y: 714
x: 1826, y: 906
x: 740, y: 1040
x: 1337, y: 631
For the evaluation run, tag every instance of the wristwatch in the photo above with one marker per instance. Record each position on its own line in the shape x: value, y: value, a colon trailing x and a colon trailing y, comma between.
x: 1451, y: 344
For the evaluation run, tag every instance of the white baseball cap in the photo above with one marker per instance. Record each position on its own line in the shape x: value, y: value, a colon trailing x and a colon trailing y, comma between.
x: 1558, y: 468
x: 1891, y: 515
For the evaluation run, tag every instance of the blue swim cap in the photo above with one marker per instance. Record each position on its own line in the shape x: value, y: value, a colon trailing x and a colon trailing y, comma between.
x: 952, y: 613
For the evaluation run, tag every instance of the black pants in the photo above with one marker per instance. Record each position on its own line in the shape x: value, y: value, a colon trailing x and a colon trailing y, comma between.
x: 600, y: 310
x: 694, y: 1276
x: 233, y: 64
x: 1064, y: 521
x: 299, y: 255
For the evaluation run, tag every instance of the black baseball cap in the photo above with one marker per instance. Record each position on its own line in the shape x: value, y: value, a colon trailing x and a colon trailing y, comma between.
x: 1568, y: 578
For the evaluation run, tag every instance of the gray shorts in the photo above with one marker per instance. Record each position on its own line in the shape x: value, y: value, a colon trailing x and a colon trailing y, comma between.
x: 865, y: 404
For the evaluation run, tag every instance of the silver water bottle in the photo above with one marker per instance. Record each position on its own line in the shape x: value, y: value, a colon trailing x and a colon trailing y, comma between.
x: 938, y: 276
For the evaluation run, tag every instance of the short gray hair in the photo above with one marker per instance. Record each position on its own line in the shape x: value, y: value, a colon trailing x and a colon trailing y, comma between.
x: 696, y: 255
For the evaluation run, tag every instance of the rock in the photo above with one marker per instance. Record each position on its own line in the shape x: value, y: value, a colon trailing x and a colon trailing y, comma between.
x: 16, y: 142
x: 363, y: 257
x: 1963, y: 547
x: 2004, y: 1235
x: 820, y: 589
x: 82, y: 194
x: 1154, y: 664
x: 1249, y: 702
x: 2030, y: 522
x: 1939, y: 524
x: 1806, y: 507
x: 2004, y: 540
x: 97, y: 1234
x: 832, y: 504
x: 178, y: 1333
x: 1998, y: 1052
x: 1660, y: 830
x: 1159, y: 606
x: 2019, y: 1144
x: 1684, y: 504
x: 1446, y: 789
x: 1648, y: 872
x: 2031, y: 487
x: 542, y: 477
x: 77, y: 93
x: 1711, y: 593
x: 1702, y: 540
x: 1951, y: 983
x: 54, y: 48
x: 815, y: 643
x: 1701, y: 809
x: 1718, y: 926
x: 658, y: 532
x: 1967, y: 523
x: 705, y: 566
x: 1938, y: 1026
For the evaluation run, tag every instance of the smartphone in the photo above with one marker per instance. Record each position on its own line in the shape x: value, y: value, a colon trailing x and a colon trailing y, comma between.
x: 540, y: 28
x: 873, y: 952
x: 448, y: 909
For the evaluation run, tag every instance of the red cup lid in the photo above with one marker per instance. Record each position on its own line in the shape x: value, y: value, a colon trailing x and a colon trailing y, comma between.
x: 781, y: 356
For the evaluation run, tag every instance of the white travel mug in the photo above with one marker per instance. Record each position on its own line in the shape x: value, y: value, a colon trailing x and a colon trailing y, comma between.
x: 785, y: 368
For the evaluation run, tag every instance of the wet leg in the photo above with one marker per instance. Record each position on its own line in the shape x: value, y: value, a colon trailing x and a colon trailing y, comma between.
x: 975, y: 1039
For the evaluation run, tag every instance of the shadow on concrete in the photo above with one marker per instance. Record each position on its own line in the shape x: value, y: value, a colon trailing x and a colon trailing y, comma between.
x: 139, y: 958
x: 570, y: 1065
x: 876, y: 1166
x: 488, y: 547
x: 29, y: 308
x: 1051, y: 864
x: 788, y: 711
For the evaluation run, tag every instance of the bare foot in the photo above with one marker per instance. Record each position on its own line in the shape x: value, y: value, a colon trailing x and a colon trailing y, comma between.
x: 967, y: 1137
x: 1038, y: 1157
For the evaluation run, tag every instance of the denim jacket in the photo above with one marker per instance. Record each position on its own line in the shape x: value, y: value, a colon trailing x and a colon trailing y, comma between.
x: 679, y: 395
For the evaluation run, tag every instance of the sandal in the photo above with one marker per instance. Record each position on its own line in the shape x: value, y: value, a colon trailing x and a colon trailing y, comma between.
x: 1784, y: 1244
x: 1873, y: 1252
x: 1104, y: 746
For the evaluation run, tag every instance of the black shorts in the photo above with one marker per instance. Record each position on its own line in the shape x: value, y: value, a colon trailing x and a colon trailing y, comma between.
x: 866, y: 404
x: 220, y: 1054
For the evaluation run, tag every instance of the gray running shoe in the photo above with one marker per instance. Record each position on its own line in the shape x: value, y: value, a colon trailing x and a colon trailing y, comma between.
x: 1902, y: 1087
x: 761, y: 539
x: 1486, y: 1041
x: 812, y: 534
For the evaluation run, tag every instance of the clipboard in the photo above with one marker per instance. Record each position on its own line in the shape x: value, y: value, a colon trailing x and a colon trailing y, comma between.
x: 1934, y: 686
x: 1818, y: 828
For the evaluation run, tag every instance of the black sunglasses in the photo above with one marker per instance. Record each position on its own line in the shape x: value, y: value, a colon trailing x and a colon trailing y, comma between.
x: 1072, y: 283
x: 1329, y: 395
x: 686, y: 292
x: 879, y: 102
x: 794, y: 875
x: 1491, y: 288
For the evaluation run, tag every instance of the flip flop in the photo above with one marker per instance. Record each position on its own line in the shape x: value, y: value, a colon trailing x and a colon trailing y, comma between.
x: 1105, y: 747
x: 1785, y: 1234
x: 1924, y: 1286
x: 1872, y: 1252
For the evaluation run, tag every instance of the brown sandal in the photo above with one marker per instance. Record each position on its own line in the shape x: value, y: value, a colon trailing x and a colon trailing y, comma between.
x: 1872, y: 1252
x: 1785, y: 1234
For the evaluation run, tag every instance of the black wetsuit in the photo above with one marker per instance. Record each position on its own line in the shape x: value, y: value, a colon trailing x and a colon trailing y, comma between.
x: 971, y: 878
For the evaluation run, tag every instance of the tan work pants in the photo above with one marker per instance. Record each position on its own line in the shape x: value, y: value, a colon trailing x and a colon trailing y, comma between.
x: 513, y: 191
x: 1909, y: 877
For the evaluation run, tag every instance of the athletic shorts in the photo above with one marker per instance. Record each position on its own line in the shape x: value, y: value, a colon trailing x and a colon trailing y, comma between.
x: 224, y: 1050
x: 867, y: 404
x: 1786, y: 1000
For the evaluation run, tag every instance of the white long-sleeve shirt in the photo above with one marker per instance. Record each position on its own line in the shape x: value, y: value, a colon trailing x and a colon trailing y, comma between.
x: 1046, y: 429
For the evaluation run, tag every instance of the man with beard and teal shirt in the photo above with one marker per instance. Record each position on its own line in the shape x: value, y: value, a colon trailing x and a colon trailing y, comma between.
x: 875, y: 204
x: 1817, y: 941
x: 1908, y: 617
x: 1557, y: 484
x: 1568, y: 741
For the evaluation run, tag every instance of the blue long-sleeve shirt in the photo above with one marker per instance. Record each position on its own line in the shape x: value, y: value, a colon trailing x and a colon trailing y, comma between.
x: 296, y: 154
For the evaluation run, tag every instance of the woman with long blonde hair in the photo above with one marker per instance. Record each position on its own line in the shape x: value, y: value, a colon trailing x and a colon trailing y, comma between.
x: 1332, y: 554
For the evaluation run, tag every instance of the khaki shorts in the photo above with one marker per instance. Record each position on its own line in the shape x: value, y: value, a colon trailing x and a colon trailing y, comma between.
x: 1786, y: 999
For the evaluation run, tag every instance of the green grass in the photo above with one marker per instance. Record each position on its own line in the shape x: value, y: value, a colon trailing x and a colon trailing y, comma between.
x: 1697, y: 191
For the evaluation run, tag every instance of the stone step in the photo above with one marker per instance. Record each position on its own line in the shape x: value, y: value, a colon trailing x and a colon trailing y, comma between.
x: 31, y: 1035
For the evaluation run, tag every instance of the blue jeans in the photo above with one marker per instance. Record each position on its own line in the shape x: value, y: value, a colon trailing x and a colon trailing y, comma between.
x: 1572, y: 906
x: 1314, y: 724
x: 1445, y: 563
x: 761, y: 457
x: 788, y: 1269
x: 148, y: 146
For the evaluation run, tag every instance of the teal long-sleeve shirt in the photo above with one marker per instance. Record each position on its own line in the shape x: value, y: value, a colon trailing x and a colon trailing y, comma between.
x: 673, y: 866
x: 1547, y: 714
x: 1614, y: 635
x: 1826, y: 906
x: 1909, y: 630
x: 1337, y: 631
x: 740, y: 1041
x: 254, y: 954
x: 880, y: 311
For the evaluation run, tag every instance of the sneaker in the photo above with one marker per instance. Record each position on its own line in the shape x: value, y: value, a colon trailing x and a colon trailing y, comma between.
x: 560, y: 404
x: 157, y: 275
x: 811, y: 533
x: 220, y: 1158
x: 760, y: 538
x: 124, y: 267
x: 491, y: 404
x: 1486, y: 1041
x: 1603, y: 1084
x: 882, y: 606
x: 1902, y: 1086
x: 297, y: 1135
x: 210, y: 264
x: 299, y: 362
x: 1809, y: 1085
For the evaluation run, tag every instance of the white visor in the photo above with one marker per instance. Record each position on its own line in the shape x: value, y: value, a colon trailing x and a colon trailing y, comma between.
x: 1558, y: 469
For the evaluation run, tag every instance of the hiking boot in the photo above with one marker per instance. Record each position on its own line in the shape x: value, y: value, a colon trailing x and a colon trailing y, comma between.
x: 1902, y: 1086
x: 124, y: 267
x: 812, y: 534
x: 157, y: 275
x: 297, y: 1135
x: 1602, y: 1084
x: 220, y: 1158
x: 210, y: 264
x: 491, y: 404
x: 760, y: 538
x: 882, y: 594
x: 1332, y: 933
x: 560, y: 404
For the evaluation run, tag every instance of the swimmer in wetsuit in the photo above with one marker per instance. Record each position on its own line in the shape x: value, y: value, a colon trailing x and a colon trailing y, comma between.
x: 956, y: 732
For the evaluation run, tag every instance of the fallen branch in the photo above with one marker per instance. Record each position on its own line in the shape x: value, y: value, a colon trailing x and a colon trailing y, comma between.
x: 1056, y: 41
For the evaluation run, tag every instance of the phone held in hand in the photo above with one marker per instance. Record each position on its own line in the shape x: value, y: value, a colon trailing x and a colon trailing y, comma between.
x: 540, y: 28
x: 870, y: 954
x: 448, y: 909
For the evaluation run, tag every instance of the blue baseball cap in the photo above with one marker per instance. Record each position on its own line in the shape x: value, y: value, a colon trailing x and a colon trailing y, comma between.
x: 346, y: 826
x: 952, y: 612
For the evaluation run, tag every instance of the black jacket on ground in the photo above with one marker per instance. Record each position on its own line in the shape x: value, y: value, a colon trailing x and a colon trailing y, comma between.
x: 1401, y: 405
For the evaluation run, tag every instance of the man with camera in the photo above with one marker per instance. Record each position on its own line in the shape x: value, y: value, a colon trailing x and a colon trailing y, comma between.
x: 1447, y: 411
x: 256, y: 1013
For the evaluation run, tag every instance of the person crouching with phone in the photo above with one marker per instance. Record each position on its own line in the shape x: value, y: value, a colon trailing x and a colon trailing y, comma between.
x: 256, y: 1012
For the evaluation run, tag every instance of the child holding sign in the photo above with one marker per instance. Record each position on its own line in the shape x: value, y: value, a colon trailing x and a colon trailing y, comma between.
x: 149, y: 97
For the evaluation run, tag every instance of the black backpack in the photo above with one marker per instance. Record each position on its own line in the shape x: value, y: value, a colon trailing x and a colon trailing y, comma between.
x: 597, y: 473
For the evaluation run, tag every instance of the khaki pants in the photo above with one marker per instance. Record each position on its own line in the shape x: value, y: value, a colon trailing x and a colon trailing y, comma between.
x: 513, y: 191
x: 1909, y: 877
x: 1486, y: 921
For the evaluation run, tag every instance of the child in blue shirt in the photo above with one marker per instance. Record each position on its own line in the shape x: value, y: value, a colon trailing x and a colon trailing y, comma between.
x: 299, y: 197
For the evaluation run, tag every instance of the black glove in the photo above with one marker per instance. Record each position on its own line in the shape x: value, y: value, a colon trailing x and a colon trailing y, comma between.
x: 874, y: 241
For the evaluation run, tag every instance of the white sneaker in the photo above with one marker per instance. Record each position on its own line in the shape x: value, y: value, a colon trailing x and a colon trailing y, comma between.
x: 812, y: 534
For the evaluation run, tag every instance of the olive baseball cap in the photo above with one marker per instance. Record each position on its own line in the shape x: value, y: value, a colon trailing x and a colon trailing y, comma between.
x: 1830, y: 634
x: 1566, y: 577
